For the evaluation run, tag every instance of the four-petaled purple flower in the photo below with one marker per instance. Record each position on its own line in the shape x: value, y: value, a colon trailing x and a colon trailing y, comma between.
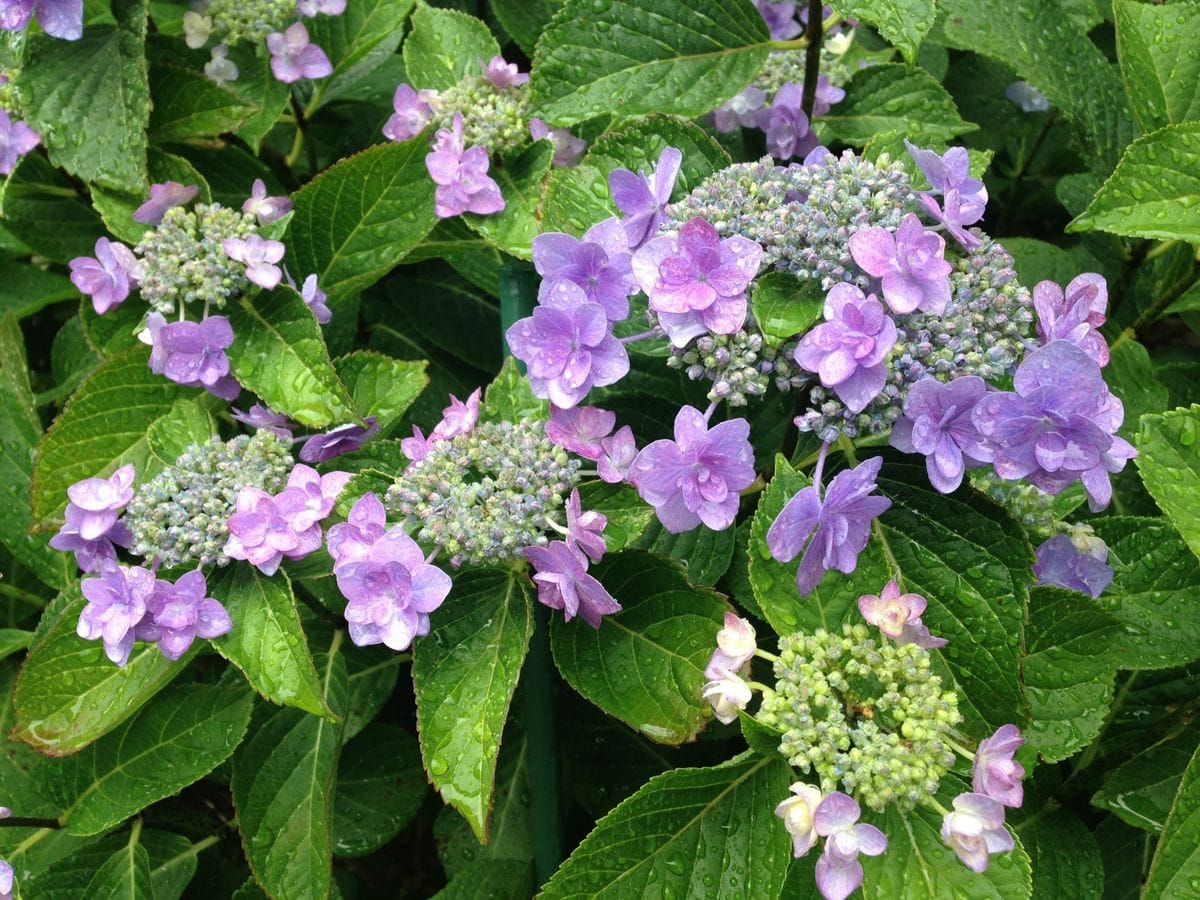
x: 599, y: 263
x: 937, y: 424
x: 948, y: 171
x: 995, y: 772
x: 976, y: 829
x: 177, y: 614
x: 343, y: 439
x: 261, y: 532
x: 848, y: 350
x: 563, y: 583
x: 503, y: 74
x: 461, y: 175
x: 643, y: 198
x: 617, y: 454
x: 698, y: 476
x: 736, y: 645
x: 581, y: 429
x: 568, y: 345
x: 314, y: 298
x: 352, y: 540
x: 412, y: 113
x: 785, y: 124
x: 259, y: 257
x: 193, y: 353
x: 797, y: 813
x: 458, y: 418
x: 567, y: 147
x: 58, y: 18
x: 91, y: 528
x: 840, y: 524
x: 911, y: 265
x: 585, y: 530
x: 1061, y: 564
x: 107, y: 278
x: 308, y: 497
x: 90, y: 554
x: 839, y: 873
x: 260, y: 416
x: 265, y: 209
x: 898, y: 616
x: 1075, y: 316
x: 163, y: 197
x: 1058, y: 427
x: 955, y: 213
x: 780, y: 18
x: 294, y: 56
x: 116, y: 604
x: 16, y: 139
x: 826, y: 94
x: 697, y: 282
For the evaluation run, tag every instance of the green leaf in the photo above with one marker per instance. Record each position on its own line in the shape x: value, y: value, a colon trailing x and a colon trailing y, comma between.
x: 125, y: 874
x: 117, y: 209
x: 525, y: 20
x: 1153, y: 593
x: 1069, y: 671
x: 283, y: 782
x: 509, y: 398
x: 465, y: 671
x: 1169, y: 462
x: 784, y: 306
x: 278, y: 353
x: 172, y: 865
x: 513, y: 229
x: 380, y: 786
x: 629, y: 516
x: 704, y: 553
x: 12, y: 640
x: 90, y: 101
x: 268, y: 96
x: 645, y: 664
x: 381, y: 386
x: 893, y: 97
x: 444, y: 46
x: 687, y: 833
x: 27, y: 288
x: 576, y: 199
x: 1176, y: 865
x: 1156, y: 47
x: 361, y: 216
x: 177, y: 738
x: 110, y: 421
x: 1154, y: 191
x: 1141, y: 791
x: 266, y: 641
x: 357, y: 42
x: 187, y: 104
x: 491, y: 879
x: 631, y: 59
x: 1066, y: 861
x: 69, y: 693
x: 40, y: 205
x: 639, y: 146
x: 902, y: 22
x: 372, y: 675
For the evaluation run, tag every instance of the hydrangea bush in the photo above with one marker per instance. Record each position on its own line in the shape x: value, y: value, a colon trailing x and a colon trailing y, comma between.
x: 568, y: 448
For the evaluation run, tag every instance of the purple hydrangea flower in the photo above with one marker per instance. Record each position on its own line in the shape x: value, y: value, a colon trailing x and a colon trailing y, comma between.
x: 109, y: 277
x: 1075, y: 316
x: 840, y: 524
x: 898, y: 616
x: 265, y: 209
x: 1059, y: 426
x: 308, y: 497
x: 260, y: 416
x: 98, y: 501
x: 116, y: 604
x: 259, y: 257
x: 1060, y: 563
x: 567, y: 345
x: 995, y: 773
x: 581, y: 429
x: 315, y: 298
x: 785, y: 124
x: 697, y: 282
x: 412, y: 113
x: 644, y: 198
x: 839, y: 873
x: 342, y: 439
x: 736, y: 645
x: 163, y: 197
x: 911, y: 265
x: 260, y: 532
x: 58, y: 18
x: 563, y: 583
x: 848, y: 351
x: 585, y: 530
x: 391, y: 591
x: 503, y: 74
x: 461, y: 175
x: 976, y: 829
x: 797, y: 813
x: 16, y: 139
x: 193, y: 353
x: 955, y: 213
x: 6, y: 871
x: 312, y: 8
x: 90, y: 555
x: 937, y: 424
x: 780, y: 18
x: 294, y: 56
x: 696, y: 477
x: 741, y: 111
x: 824, y: 97
x: 177, y: 614
x: 567, y: 147
x: 458, y: 418
x: 599, y: 263
x: 948, y: 171
x: 617, y: 454
x: 352, y: 540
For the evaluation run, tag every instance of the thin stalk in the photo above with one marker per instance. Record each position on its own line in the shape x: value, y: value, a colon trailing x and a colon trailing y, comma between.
x: 812, y: 56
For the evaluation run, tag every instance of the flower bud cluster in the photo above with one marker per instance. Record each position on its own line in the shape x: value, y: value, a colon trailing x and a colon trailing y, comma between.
x: 1028, y: 504
x: 496, y: 117
x: 785, y: 66
x: 183, y: 259
x: 871, y: 718
x: 181, y: 514
x: 487, y: 494
x: 738, y: 364
x: 248, y: 20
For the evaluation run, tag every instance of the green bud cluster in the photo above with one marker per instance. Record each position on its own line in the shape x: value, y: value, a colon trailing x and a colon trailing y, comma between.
x: 249, y: 20
x: 871, y: 718
x: 1029, y: 505
x: 486, y: 495
x: 497, y: 118
x: 738, y: 364
x: 183, y: 261
x: 783, y: 66
x: 180, y: 515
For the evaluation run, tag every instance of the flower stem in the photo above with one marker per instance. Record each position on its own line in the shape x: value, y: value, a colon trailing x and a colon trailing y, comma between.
x: 812, y: 56
x: 933, y: 804
x: 712, y: 408
x: 960, y: 749
x: 765, y: 654
x: 820, y: 469
x: 641, y: 336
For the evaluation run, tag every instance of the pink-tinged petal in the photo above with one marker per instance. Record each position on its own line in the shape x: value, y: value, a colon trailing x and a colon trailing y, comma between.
x: 838, y: 878
x: 836, y: 812
x: 902, y: 292
x: 792, y: 527
x: 726, y: 316
x: 862, y: 387
x: 874, y: 249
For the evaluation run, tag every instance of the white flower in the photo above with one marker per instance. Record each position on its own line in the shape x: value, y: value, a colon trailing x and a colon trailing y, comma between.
x: 727, y: 694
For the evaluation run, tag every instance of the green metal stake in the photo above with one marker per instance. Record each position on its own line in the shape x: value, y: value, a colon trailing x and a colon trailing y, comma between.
x: 518, y: 295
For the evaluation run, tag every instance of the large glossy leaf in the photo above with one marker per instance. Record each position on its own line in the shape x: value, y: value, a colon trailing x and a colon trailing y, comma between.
x: 891, y: 97
x: 445, y: 45
x: 125, y: 875
x: 1157, y: 49
x: 40, y: 205
x: 1169, y: 461
x: 1176, y: 865
x: 1142, y: 791
x: 357, y: 42
x: 380, y: 786
x: 902, y: 22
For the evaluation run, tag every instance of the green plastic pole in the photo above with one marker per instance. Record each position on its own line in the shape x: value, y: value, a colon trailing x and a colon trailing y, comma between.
x: 518, y: 295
